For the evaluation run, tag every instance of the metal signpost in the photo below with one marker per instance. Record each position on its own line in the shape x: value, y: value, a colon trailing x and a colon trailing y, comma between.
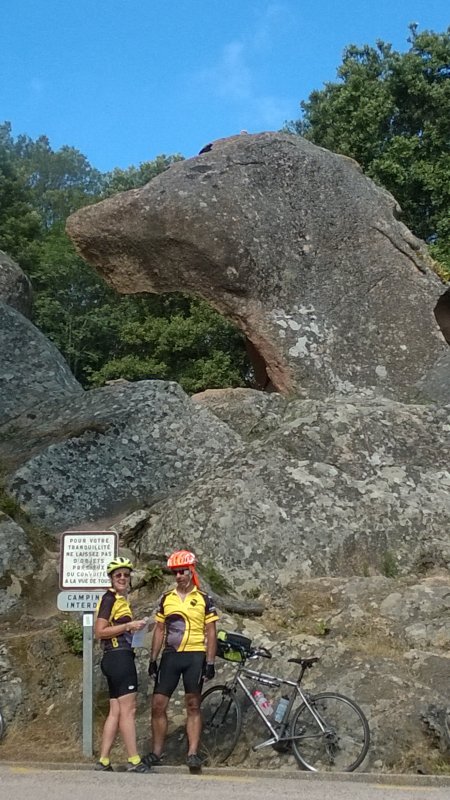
x: 82, y: 579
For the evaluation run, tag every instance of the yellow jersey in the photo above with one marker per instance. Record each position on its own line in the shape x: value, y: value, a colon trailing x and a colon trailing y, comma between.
x: 185, y: 620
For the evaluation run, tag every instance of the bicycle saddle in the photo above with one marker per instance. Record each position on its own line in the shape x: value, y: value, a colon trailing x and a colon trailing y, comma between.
x: 305, y: 662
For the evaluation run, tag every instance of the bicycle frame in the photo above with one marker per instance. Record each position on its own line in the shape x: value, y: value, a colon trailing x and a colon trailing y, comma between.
x: 274, y: 681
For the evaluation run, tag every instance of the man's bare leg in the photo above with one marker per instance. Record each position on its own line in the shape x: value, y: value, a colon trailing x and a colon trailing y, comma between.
x: 193, y: 722
x: 159, y: 722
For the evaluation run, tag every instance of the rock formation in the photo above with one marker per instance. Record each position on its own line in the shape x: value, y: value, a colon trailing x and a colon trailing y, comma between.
x: 316, y: 488
x: 16, y: 562
x: 295, y: 245
x: 15, y: 287
x: 325, y: 502
x: 32, y: 370
x: 102, y: 452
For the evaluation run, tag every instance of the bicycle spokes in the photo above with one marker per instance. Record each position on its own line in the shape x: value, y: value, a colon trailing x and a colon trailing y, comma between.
x: 222, y: 720
x: 330, y: 735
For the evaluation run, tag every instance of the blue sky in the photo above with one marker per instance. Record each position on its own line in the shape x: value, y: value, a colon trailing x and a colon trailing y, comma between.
x: 126, y: 80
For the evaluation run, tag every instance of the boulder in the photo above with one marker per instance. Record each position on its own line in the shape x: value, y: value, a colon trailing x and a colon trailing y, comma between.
x: 296, y: 246
x: 15, y: 287
x: 11, y: 683
x: 364, y: 654
x: 16, y: 562
x: 31, y: 368
x: 108, y: 450
x: 342, y: 487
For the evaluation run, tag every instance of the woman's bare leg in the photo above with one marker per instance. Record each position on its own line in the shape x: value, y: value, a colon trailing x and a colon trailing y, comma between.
x: 110, y: 728
x: 127, y: 725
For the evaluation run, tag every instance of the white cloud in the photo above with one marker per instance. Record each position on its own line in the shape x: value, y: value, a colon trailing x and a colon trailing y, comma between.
x: 231, y: 77
x: 272, y: 17
x: 234, y: 76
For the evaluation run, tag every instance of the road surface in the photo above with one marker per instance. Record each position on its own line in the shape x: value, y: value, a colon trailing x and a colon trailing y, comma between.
x: 23, y: 783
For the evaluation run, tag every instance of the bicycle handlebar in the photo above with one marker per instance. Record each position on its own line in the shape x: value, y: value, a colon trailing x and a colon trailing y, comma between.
x: 261, y: 651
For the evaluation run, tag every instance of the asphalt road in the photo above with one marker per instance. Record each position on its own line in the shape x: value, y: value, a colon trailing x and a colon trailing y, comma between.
x: 23, y: 783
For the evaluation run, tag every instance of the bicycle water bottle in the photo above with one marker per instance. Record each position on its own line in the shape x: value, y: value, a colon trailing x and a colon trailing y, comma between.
x: 263, y: 703
x: 281, y: 708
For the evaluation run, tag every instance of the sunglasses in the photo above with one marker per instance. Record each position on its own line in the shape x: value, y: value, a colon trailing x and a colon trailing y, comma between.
x: 121, y: 574
x: 183, y: 571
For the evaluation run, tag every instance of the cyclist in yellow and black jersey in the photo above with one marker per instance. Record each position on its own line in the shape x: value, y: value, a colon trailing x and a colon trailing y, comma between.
x: 114, y: 627
x: 185, y: 629
x: 116, y: 609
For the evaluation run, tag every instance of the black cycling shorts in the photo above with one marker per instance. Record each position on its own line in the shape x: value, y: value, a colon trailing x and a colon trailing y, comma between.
x: 120, y: 671
x: 174, y: 665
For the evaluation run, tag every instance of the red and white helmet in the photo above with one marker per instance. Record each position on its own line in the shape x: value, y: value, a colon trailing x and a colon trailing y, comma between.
x: 181, y: 558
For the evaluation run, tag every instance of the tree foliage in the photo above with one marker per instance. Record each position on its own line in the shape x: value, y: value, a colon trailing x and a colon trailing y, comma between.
x: 103, y: 335
x: 391, y: 112
x: 20, y: 224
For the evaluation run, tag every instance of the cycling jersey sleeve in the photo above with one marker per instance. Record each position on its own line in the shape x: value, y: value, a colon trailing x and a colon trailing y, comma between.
x: 106, y: 605
x: 160, y: 615
x: 210, y: 610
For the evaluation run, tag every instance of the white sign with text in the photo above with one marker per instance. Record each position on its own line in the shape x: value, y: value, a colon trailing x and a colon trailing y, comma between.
x: 84, y: 558
x: 78, y: 601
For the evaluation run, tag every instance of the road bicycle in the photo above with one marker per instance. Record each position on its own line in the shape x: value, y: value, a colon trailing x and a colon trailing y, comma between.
x: 327, y: 732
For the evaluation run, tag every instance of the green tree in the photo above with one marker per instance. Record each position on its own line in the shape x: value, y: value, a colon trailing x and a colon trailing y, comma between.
x: 61, y: 181
x: 73, y: 305
x: 174, y: 337
x: 20, y: 224
x: 120, y: 180
x: 391, y: 112
x: 103, y: 335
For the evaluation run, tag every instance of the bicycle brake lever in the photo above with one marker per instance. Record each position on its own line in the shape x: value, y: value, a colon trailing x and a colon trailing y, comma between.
x: 262, y: 651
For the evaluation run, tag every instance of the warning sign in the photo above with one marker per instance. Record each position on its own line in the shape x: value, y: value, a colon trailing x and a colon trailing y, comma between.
x: 84, y: 558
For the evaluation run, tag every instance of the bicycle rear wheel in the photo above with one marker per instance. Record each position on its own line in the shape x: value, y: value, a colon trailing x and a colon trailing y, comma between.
x: 222, y: 722
x: 343, y: 745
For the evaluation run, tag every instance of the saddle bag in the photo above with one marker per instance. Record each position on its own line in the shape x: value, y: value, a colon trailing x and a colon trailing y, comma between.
x: 233, y: 646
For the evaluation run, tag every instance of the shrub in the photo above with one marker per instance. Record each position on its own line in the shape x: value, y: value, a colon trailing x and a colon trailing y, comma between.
x: 389, y: 566
x: 217, y: 581
x: 72, y: 632
x: 153, y: 575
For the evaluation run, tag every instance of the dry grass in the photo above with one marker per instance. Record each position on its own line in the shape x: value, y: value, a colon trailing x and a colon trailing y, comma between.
x: 372, y: 638
x: 421, y: 758
x: 46, y: 738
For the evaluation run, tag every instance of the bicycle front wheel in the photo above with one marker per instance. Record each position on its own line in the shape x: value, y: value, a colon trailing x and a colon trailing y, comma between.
x: 222, y: 722
x: 343, y: 744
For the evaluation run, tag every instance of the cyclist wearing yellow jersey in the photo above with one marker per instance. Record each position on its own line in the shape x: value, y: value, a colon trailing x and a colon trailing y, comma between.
x: 186, y: 630
x: 114, y: 627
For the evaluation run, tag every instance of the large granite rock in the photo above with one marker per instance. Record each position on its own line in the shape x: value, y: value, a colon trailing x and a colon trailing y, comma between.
x: 11, y: 683
x: 15, y: 287
x: 295, y: 245
x: 381, y: 641
x: 109, y: 449
x: 31, y: 368
x: 16, y: 562
x: 342, y: 487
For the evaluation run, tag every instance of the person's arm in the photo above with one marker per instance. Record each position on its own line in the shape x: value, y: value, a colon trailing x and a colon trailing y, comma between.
x: 157, y: 640
x: 103, y: 629
x: 211, y: 649
x: 211, y: 642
